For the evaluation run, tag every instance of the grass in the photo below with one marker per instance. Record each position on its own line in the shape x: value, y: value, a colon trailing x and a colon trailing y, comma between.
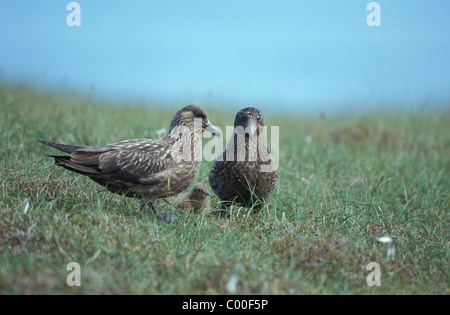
x: 344, y: 181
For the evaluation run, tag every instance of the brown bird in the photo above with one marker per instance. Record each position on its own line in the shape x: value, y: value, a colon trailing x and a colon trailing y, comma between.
x: 244, y: 172
x: 144, y: 168
x: 196, y: 199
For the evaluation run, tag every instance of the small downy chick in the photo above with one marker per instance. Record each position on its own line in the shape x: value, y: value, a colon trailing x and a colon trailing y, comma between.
x: 195, y: 200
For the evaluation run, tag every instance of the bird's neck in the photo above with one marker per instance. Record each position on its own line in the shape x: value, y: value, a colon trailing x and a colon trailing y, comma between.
x: 187, y: 142
x: 243, y: 148
x: 192, y: 197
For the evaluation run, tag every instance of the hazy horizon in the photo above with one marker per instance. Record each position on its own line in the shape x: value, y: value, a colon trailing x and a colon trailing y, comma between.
x: 310, y: 56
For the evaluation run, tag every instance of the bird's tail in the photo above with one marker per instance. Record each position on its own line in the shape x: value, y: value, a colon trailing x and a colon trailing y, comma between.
x: 67, y: 163
x: 62, y: 147
x: 85, y: 163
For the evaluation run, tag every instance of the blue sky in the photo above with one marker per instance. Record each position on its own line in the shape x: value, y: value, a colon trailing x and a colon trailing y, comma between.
x: 309, y: 55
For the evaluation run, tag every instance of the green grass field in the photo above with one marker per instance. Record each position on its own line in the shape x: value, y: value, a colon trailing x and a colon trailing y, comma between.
x: 344, y: 181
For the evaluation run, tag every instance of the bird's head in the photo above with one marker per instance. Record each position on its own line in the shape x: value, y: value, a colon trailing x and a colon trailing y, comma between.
x: 192, y: 116
x: 199, y: 191
x: 251, y: 119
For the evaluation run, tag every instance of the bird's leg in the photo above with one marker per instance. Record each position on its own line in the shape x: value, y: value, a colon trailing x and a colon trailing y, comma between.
x: 225, y: 212
x: 145, y: 206
x: 227, y: 208
x: 169, y: 217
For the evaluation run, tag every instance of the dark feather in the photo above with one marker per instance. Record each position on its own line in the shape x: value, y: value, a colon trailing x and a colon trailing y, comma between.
x: 66, y: 162
x: 62, y: 147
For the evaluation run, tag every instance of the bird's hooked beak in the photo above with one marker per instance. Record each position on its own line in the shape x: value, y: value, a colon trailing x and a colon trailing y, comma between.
x: 251, y: 130
x: 206, y: 193
x: 211, y: 128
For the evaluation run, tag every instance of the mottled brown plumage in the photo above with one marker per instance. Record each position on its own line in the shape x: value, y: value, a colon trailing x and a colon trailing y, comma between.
x: 244, y: 172
x: 196, y: 199
x: 144, y: 168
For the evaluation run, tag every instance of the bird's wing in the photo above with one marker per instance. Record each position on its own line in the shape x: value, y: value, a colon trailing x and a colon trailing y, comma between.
x: 138, y: 162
